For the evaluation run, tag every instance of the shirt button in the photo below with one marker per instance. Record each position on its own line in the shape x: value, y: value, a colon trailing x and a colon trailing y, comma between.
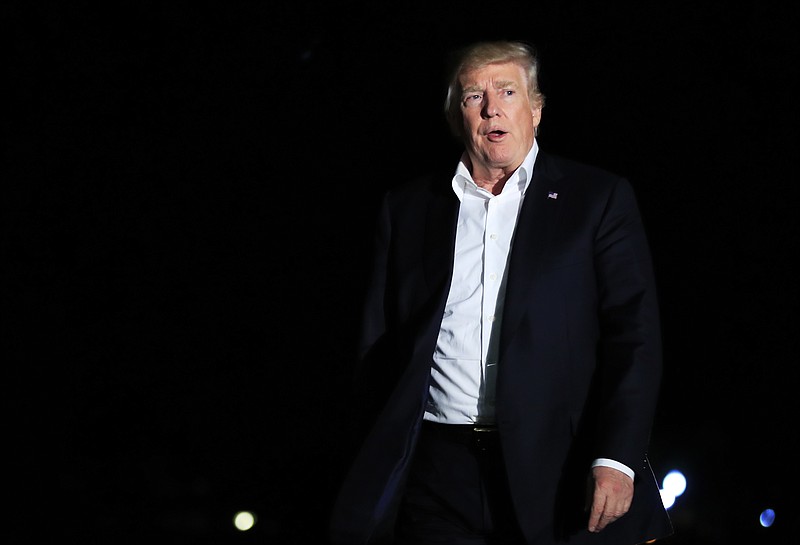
x: 492, y: 276
x: 493, y: 236
x: 491, y: 318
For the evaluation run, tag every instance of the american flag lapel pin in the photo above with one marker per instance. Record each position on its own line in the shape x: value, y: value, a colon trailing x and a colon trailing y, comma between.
x: 552, y: 195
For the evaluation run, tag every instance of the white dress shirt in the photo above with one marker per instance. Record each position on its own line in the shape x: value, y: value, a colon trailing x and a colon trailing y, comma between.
x: 465, y: 359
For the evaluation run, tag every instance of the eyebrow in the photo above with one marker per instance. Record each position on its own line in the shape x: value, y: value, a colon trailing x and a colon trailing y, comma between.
x: 498, y: 85
x: 505, y: 84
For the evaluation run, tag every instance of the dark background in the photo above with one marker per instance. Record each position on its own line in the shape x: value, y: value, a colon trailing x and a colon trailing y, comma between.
x: 188, y: 205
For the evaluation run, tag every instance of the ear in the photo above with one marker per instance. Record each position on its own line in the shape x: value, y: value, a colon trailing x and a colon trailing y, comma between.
x: 536, y: 112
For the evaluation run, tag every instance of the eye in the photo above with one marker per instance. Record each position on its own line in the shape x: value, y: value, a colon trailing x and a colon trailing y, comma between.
x: 509, y: 92
x: 472, y: 99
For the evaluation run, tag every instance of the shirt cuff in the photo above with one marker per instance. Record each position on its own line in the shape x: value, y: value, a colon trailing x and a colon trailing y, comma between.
x: 614, y: 464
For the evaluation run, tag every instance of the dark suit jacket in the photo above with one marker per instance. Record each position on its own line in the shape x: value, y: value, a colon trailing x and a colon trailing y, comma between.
x: 579, y: 363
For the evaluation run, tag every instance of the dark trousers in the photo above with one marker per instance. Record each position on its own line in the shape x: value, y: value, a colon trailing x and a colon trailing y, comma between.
x: 457, y: 491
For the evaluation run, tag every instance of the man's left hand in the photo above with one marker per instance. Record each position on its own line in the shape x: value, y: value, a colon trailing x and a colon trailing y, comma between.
x: 611, y: 497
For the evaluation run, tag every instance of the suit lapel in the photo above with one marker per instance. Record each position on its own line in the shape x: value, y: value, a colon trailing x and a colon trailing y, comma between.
x: 532, y: 235
x: 440, y: 238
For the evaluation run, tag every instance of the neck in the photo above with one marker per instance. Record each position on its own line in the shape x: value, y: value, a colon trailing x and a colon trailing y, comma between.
x: 494, y: 186
x: 493, y: 179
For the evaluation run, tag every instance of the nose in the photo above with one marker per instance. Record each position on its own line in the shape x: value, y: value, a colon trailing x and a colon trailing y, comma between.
x: 490, y: 106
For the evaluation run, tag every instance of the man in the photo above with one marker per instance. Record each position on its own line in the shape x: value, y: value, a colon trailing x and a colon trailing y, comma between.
x: 511, y: 340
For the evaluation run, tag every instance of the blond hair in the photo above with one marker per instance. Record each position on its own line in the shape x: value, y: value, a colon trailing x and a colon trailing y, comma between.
x: 482, y: 54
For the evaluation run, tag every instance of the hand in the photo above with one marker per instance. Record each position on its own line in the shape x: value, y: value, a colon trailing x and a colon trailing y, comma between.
x: 611, y: 496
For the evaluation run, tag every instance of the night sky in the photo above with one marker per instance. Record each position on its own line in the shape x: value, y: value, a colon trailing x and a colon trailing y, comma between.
x: 187, y: 209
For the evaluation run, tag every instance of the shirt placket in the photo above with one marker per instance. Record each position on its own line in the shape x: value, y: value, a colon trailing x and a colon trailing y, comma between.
x: 492, y: 260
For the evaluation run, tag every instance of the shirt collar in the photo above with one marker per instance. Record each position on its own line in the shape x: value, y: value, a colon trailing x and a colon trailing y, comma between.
x: 517, y: 183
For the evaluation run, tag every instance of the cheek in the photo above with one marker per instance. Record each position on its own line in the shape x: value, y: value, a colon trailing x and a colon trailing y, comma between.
x: 470, y: 125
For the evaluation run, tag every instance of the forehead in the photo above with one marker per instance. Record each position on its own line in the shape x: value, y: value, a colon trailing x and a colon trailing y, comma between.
x: 493, y: 75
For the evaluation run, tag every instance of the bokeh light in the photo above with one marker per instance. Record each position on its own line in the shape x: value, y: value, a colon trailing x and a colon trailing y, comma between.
x: 767, y: 518
x: 244, y: 520
x: 674, y: 483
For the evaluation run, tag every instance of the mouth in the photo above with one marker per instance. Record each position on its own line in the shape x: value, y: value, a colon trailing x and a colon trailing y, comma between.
x: 496, y: 135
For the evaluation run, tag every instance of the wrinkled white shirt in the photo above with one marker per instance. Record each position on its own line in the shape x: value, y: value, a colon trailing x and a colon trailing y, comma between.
x: 465, y: 358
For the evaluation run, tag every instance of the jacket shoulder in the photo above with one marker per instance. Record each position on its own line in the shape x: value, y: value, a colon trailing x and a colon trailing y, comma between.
x: 427, y: 187
x: 559, y: 166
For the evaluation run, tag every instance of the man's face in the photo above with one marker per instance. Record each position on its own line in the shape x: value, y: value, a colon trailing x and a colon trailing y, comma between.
x: 499, y: 119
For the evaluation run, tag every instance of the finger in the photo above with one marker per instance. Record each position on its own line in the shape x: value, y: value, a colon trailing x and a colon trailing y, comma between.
x: 596, y: 514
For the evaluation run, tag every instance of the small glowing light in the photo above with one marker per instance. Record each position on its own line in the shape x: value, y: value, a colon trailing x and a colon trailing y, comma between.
x: 675, y: 483
x: 244, y: 520
x: 767, y: 518
x: 667, y: 498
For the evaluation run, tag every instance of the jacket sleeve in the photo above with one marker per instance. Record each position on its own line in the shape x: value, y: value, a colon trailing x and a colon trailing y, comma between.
x: 629, y: 351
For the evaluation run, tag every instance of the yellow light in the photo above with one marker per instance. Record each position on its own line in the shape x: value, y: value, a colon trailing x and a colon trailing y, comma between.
x: 244, y: 520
